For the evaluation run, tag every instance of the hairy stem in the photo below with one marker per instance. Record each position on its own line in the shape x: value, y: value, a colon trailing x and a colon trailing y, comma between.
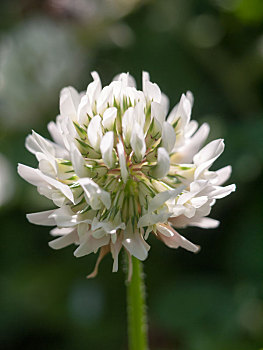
x: 137, y: 320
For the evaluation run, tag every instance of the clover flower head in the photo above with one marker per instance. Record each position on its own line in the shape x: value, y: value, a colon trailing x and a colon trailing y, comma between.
x: 120, y: 168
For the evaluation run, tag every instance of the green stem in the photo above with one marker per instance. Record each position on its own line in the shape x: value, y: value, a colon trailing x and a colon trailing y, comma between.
x: 137, y: 320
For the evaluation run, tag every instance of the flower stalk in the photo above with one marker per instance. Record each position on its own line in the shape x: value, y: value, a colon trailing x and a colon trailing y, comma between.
x: 136, y: 308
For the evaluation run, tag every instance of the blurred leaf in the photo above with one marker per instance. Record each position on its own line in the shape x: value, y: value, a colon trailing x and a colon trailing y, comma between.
x: 250, y: 11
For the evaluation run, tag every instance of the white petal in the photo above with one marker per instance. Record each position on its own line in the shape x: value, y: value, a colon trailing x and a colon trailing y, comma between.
x: 223, y: 175
x: 61, y: 231
x: 104, y: 99
x: 221, y: 192
x: 206, y: 157
x: 47, y: 165
x: 204, y: 222
x: 36, y: 178
x: 197, y: 202
x: 151, y: 90
x: 185, y: 197
x: 58, y: 198
x: 126, y: 78
x: 31, y: 175
x: 64, y: 241
x: 205, y: 209
x: 138, y: 142
x: 117, y: 90
x: 113, y: 238
x: 109, y: 117
x: 210, y: 151
x: 158, y: 112
x: 180, y: 221
x: 190, y: 128
x: 55, y: 133
x: 163, y: 164
x: 109, y: 226
x: 190, y: 97
x: 115, y: 249
x: 164, y: 230
x: 84, y: 232
x: 192, y: 146
x: 150, y: 219
x: 95, y: 196
x: 168, y: 137
x: 198, y: 186
x: 84, y: 108
x: 165, y: 103
x: 36, y: 143
x: 176, y: 209
x: 67, y: 131
x: 64, y: 217
x: 148, y: 231
x: 177, y: 240
x: 122, y: 161
x: 190, y: 211
x: 95, y: 132
x: 121, y: 77
x: 94, y: 88
x: 198, y: 139
x: 42, y: 218
x: 158, y: 200
x: 78, y: 161
x: 91, y: 245
x: 145, y: 78
x: 136, y: 245
x: 127, y: 124
x: 139, y: 114
x: 69, y: 101
x: 106, y: 148
x: 182, y: 110
x: 98, y: 233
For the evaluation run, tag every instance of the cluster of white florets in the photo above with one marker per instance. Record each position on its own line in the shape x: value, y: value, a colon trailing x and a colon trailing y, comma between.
x: 119, y: 169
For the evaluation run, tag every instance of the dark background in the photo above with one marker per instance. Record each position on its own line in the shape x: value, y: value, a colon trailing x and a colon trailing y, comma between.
x: 208, y: 301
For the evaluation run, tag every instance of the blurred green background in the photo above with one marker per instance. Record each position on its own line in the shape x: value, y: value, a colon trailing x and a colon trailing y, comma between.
x: 209, y: 301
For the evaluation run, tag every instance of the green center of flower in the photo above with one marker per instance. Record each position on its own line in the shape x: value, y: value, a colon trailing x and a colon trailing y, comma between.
x: 126, y: 164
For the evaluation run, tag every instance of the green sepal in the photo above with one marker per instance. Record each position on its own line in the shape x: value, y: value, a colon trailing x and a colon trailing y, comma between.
x: 81, y: 132
x: 87, y: 150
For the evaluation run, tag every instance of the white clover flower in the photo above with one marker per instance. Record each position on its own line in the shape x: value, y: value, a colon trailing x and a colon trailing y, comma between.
x: 120, y: 169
